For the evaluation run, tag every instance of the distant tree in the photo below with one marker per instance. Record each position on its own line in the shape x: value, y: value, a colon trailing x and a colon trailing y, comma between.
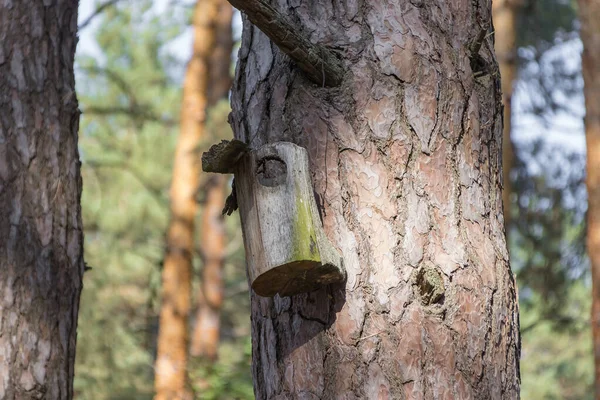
x: 130, y: 94
x: 41, y: 233
x: 589, y: 14
x: 173, y: 338
x: 205, y: 336
x: 505, y: 15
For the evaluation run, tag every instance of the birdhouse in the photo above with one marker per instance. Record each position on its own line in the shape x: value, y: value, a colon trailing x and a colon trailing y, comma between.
x: 287, y: 251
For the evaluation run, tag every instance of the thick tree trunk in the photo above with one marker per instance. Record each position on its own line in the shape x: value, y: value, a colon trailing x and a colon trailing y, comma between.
x: 41, y: 237
x: 406, y: 163
x: 589, y: 14
x: 205, y: 338
x: 173, y: 338
x: 504, y: 14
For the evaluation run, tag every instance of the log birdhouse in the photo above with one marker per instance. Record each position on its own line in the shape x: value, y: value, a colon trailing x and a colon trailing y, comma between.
x: 287, y: 251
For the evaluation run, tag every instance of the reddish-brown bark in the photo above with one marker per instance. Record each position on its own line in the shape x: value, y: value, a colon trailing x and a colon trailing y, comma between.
x: 173, y: 338
x: 41, y: 239
x: 504, y: 14
x: 589, y: 14
x: 406, y: 162
x: 205, y: 337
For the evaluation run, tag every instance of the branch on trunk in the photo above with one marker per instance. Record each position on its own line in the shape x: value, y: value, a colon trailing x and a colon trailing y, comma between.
x: 319, y: 63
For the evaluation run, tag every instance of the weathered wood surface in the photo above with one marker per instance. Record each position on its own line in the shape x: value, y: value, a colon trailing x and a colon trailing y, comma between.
x: 287, y: 251
x: 222, y: 157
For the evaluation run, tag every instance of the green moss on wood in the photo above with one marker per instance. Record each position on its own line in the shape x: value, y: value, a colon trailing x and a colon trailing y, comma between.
x: 305, y: 238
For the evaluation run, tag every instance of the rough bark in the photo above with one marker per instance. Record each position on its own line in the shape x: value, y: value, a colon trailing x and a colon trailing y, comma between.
x: 205, y: 337
x: 589, y: 14
x: 406, y: 164
x: 504, y: 14
x: 41, y: 239
x: 173, y: 338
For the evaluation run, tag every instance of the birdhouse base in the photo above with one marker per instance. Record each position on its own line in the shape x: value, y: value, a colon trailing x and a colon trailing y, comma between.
x: 296, y: 277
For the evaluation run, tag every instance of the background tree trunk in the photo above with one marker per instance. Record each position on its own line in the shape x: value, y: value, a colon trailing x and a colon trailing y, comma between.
x: 589, y: 14
x: 205, y: 338
x: 173, y: 337
x: 41, y: 239
x: 405, y: 159
x: 504, y: 14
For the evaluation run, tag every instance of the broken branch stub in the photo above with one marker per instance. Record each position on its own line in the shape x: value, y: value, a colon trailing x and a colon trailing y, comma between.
x: 287, y: 251
x: 223, y: 157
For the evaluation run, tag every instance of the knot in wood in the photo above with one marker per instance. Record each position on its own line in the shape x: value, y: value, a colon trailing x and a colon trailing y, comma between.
x: 430, y: 285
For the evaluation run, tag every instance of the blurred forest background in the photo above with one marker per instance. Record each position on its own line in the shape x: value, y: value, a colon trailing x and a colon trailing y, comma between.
x: 130, y: 69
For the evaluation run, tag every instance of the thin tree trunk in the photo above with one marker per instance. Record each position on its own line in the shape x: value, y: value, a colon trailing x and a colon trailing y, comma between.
x: 41, y: 236
x: 205, y: 340
x: 406, y: 162
x: 220, y: 59
x: 205, y: 337
x: 589, y: 14
x: 173, y: 337
x: 504, y: 14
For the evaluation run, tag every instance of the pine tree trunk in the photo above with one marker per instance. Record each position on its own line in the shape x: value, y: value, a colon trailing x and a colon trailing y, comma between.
x: 504, y: 14
x: 41, y: 236
x: 589, y: 14
x: 205, y: 338
x: 173, y: 337
x: 405, y: 158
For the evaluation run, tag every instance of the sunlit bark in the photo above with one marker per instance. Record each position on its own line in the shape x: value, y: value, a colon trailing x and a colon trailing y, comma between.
x: 405, y: 158
x: 205, y: 337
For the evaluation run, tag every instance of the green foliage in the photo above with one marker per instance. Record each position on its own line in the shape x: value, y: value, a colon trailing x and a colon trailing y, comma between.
x: 547, y: 245
x: 229, y: 377
x: 543, y: 22
x: 130, y: 98
x: 558, y: 363
x: 547, y: 239
x: 127, y: 139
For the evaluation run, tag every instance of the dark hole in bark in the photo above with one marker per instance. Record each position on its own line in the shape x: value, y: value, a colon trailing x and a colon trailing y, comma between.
x: 478, y: 65
x: 271, y: 171
x: 430, y: 285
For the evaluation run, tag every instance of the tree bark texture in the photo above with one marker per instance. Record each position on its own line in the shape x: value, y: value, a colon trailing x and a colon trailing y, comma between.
x: 504, y: 14
x: 41, y: 236
x: 205, y: 337
x: 406, y: 164
x: 589, y: 14
x: 173, y: 338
